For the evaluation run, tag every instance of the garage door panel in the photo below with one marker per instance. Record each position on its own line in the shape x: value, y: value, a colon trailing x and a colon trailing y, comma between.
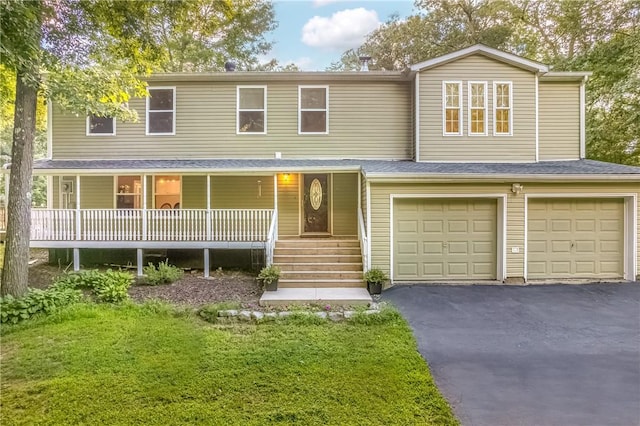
x: 457, y: 238
x: 583, y: 238
x: 460, y: 247
x: 560, y: 246
x: 433, y: 247
x: 408, y: 269
x: 408, y: 248
x: 460, y: 226
x: 432, y: 226
x: 561, y: 225
x: 407, y: 226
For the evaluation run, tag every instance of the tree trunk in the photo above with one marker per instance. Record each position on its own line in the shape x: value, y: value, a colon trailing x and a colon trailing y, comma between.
x: 15, y: 275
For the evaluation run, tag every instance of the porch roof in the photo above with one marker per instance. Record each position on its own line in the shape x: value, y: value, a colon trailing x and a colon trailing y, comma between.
x: 372, y: 169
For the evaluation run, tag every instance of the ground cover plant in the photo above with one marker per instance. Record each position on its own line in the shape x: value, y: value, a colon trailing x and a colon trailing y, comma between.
x: 152, y: 364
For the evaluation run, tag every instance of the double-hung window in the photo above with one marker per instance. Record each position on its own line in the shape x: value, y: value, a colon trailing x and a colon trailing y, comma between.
x: 313, y: 110
x: 128, y: 192
x: 252, y: 110
x: 502, y: 108
x: 452, y: 106
x: 101, y: 126
x: 477, y: 100
x: 161, y: 111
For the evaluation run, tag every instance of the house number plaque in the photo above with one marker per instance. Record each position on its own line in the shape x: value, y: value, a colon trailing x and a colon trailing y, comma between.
x: 315, y: 194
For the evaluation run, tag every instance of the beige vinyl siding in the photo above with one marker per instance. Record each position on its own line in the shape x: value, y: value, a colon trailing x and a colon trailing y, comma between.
x: 96, y: 192
x: 289, y: 205
x: 241, y: 192
x: 559, y: 122
x: 380, y: 212
x: 194, y: 192
x: 366, y: 120
x: 518, y: 147
x: 345, y: 204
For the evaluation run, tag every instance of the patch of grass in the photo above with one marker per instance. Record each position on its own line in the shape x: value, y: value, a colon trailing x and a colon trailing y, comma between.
x: 130, y: 364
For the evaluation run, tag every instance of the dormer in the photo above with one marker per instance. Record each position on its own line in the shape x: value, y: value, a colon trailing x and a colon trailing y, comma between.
x: 481, y: 104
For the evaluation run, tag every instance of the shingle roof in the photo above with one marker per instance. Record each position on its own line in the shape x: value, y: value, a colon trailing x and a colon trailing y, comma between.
x: 371, y: 168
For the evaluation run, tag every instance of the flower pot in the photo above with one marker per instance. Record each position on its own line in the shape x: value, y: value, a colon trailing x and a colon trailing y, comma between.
x: 374, y: 288
x: 272, y: 286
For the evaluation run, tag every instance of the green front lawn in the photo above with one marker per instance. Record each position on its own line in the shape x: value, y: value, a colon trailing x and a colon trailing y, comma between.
x: 93, y: 364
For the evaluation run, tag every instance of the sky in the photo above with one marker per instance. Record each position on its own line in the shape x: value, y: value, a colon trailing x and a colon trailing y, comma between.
x: 314, y: 33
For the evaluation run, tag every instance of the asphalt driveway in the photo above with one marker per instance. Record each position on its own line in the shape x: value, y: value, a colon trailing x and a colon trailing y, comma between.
x: 531, y: 355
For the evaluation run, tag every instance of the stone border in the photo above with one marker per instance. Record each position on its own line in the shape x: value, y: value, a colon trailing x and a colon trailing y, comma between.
x: 258, y: 316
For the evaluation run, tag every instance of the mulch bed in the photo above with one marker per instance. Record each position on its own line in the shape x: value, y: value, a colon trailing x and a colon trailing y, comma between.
x: 192, y: 289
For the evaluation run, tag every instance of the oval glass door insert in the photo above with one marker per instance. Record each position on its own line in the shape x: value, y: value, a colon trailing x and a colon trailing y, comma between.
x: 315, y: 194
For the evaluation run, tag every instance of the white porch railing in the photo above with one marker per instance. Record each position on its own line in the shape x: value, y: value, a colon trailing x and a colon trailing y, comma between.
x: 362, y: 236
x: 229, y: 225
x: 272, y: 237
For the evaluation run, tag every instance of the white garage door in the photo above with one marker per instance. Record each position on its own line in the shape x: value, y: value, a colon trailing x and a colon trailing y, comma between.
x: 437, y: 239
x: 575, y: 238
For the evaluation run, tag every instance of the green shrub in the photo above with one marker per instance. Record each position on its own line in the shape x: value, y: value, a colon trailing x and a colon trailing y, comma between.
x: 14, y: 310
x: 376, y: 276
x: 108, y: 287
x: 114, y: 286
x: 162, y: 274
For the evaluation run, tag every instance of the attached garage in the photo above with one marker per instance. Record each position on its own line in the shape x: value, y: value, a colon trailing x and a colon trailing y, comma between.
x: 445, y: 239
x: 575, y: 238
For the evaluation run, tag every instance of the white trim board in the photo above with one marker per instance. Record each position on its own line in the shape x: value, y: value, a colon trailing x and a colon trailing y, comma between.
x: 501, y: 226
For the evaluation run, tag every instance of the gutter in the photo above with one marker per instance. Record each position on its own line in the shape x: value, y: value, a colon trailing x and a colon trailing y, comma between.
x: 498, y: 178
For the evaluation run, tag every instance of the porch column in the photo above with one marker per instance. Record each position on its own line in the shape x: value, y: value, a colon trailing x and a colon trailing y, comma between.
x: 144, y: 208
x: 77, y: 207
x: 139, y: 261
x: 208, y: 219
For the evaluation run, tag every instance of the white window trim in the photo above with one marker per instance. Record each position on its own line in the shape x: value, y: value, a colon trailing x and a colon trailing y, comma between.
x: 161, y: 110
x: 264, y: 110
x: 495, y: 85
x: 444, y: 108
x: 100, y: 134
x: 469, y: 108
x: 116, y: 193
x: 326, y: 109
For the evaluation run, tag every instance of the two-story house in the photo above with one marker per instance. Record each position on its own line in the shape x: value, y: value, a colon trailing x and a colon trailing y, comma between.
x: 469, y: 166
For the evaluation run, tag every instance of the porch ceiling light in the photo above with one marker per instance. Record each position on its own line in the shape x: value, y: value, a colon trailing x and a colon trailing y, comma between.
x: 516, y: 188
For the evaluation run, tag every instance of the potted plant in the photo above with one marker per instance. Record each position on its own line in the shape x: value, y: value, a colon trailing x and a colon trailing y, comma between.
x: 269, y: 276
x: 375, y: 278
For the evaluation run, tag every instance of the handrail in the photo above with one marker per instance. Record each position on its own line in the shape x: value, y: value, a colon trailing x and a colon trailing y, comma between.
x: 362, y: 236
x: 272, y: 237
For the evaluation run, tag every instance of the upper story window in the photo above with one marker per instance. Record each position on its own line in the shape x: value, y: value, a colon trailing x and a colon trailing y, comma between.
x: 101, y: 126
x: 313, y: 110
x: 502, y: 108
x: 252, y: 110
x: 477, y: 99
x: 452, y: 106
x: 161, y: 111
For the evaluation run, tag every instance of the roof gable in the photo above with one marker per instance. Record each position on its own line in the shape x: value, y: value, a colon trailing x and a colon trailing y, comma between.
x: 487, y: 51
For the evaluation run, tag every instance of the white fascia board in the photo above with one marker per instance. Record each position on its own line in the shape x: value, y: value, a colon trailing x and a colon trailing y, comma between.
x: 487, y: 51
x: 252, y: 171
x: 507, y: 178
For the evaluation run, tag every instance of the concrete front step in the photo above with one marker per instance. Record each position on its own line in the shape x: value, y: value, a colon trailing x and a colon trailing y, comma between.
x: 317, y: 242
x: 321, y: 275
x: 320, y: 283
x: 321, y: 251
x: 331, y: 296
x: 324, y: 259
x: 286, y: 267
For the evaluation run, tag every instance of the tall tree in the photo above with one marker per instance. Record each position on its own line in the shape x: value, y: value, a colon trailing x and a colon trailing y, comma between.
x: 94, y: 53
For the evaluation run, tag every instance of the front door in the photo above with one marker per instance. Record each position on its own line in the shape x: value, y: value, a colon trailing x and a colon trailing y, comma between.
x: 315, y: 205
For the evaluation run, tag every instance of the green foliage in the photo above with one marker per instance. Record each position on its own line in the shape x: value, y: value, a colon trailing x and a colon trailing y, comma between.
x: 376, y: 276
x: 160, y: 369
x: 210, y: 312
x: 108, y: 287
x: 162, y: 274
x: 269, y: 274
x: 14, y: 310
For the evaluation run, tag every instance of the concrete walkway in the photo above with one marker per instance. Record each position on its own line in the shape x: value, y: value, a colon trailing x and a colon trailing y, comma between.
x: 534, y: 355
x: 340, y: 296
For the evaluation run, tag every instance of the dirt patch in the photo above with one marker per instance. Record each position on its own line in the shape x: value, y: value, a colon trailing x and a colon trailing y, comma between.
x: 193, y: 289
